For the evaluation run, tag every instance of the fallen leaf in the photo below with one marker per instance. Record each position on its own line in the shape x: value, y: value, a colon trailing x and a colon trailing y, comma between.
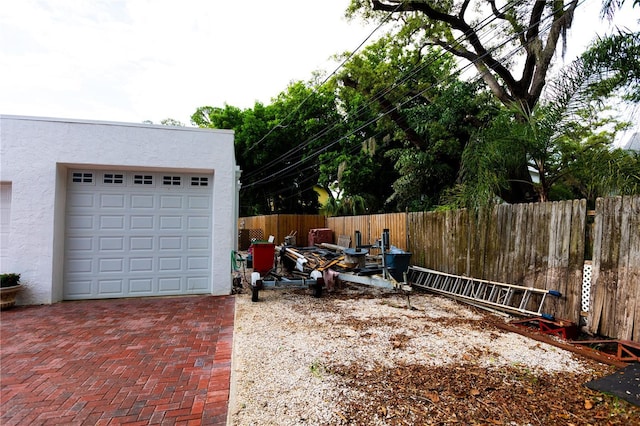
x: 475, y: 392
x: 433, y: 397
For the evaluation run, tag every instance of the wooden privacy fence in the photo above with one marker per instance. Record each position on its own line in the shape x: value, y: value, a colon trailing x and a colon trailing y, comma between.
x: 371, y: 227
x: 281, y: 225
x: 541, y: 245
x: 538, y: 245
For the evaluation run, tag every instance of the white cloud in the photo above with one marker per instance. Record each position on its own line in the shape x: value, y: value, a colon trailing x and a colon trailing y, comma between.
x: 132, y: 60
x: 140, y: 59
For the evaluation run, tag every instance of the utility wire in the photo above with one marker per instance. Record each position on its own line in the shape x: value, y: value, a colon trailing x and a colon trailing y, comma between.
x: 369, y: 103
x: 454, y: 74
x: 401, y: 79
x: 384, y: 21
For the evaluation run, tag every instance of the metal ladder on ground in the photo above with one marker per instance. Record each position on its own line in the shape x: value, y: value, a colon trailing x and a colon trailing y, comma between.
x: 504, y: 297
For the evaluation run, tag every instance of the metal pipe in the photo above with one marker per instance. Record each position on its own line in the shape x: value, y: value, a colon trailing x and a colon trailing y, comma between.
x: 385, y: 239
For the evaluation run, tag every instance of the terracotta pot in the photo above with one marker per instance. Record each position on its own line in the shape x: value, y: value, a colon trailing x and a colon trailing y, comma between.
x: 8, y: 296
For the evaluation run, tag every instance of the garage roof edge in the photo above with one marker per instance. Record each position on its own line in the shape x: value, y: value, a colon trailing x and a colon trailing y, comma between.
x: 111, y: 123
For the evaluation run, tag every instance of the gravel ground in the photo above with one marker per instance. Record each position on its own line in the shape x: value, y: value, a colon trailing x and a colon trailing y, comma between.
x: 363, y: 356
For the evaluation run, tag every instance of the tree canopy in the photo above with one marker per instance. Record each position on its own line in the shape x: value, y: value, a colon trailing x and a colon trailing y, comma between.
x: 404, y: 126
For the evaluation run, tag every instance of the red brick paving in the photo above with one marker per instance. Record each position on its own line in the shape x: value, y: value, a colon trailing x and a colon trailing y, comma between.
x: 117, y: 362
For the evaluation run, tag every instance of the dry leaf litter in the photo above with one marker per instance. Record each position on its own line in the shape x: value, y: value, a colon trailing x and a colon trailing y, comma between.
x: 365, y: 356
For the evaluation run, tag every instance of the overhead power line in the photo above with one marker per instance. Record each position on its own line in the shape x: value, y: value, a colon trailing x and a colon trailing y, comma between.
x: 455, y: 74
x: 384, y: 21
x: 401, y: 79
x: 483, y: 24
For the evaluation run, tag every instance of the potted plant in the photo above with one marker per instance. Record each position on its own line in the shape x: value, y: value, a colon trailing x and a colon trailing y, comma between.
x: 9, y: 288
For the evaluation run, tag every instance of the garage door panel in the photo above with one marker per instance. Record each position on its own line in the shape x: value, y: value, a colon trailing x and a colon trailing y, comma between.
x: 171, y: 202
x: 139, y: 201
x: 173, y: 223
x: 141, y: 264
x: 85, y: 200
x: 80, y: 222
x: 79, y: 289
x: 198, y: 223
x: 198, y: 263
x: 112, y: 287
x: 141, y: 286
x: 79, y: 244
x: 198, y: 243
x: 138, y: 222
x: 169, y: 243
x: 197, y: 284
x: 125, y: 239
x: 106, y: 266
x: 199, y: 202
x: 80, y: 266
x: 169, y: 284
x: 112, y: 201
x: 170, y: 264
x: 141, y: 243
x: 111, y: 222
x: 111, y: 244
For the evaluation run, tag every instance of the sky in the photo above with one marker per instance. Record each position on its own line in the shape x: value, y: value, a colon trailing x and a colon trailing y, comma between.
x: 137, y: 60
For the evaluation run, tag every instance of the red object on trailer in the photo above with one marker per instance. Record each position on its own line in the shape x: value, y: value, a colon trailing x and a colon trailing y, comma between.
x: 320, y: 235
x: 263, y: 257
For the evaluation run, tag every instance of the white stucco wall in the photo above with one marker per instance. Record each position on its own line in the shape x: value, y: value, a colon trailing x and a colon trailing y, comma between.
x: 35, y: 154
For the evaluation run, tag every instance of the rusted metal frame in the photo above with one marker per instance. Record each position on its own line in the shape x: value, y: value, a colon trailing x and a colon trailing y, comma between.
x: 561, y: 328
x: 626, y: 350
x: 577, y: 349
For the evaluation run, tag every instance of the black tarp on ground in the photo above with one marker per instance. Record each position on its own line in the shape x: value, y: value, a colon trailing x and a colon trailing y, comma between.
x: 624, y: 383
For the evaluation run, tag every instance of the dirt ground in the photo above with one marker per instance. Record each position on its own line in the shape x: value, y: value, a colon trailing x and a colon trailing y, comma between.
x: 468, y: 379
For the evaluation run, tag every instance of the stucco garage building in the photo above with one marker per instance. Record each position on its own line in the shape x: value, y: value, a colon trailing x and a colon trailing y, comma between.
x: 105, y: 210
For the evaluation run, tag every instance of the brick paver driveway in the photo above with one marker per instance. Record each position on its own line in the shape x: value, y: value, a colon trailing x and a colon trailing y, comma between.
x: 124, y: 361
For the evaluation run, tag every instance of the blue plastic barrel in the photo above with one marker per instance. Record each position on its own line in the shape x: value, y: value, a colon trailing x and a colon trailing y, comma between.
x: 397, y: 264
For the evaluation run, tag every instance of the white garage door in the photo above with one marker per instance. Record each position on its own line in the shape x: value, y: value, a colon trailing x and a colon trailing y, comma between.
x: 131, y: 234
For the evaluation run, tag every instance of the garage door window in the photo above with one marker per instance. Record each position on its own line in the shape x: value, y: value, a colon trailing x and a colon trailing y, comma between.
x: 199, y: 181
x: 171, y: 180
x: 113, y: 179
x: 82, y: 177
x: 143, y: 180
